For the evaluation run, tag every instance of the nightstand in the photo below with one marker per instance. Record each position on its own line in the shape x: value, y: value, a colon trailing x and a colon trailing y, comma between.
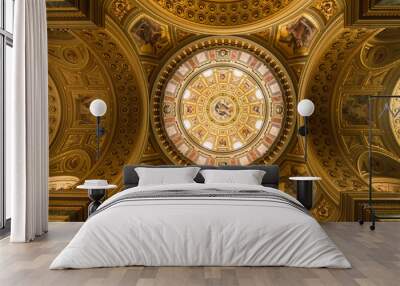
x: 305, y: 190
x: 96, y: 192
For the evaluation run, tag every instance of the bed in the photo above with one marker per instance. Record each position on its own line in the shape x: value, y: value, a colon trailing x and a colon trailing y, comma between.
x: 201, y: 224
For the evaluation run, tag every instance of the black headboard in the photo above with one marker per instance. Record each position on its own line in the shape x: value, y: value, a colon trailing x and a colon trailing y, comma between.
x: 271, y: 177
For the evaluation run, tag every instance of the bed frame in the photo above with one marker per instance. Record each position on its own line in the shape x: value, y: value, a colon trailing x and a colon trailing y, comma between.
x: 270, y: 179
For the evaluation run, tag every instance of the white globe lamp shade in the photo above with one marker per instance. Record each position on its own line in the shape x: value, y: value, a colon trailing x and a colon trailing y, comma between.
x: 98, y: 107
x: 305, y: 107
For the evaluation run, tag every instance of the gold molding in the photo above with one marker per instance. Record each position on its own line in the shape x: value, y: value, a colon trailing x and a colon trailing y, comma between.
x: 68, y: 205
x: 75, y: 13
x: 385, y: 203
x: 154, y: 9
x: 318, y: 84
x: 110, y: 69
x: 371, y: 14
x: 141, y: 81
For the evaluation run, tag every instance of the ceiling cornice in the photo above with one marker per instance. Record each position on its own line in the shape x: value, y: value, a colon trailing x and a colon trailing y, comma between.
x: 372, y: 13
x: 75, y: 13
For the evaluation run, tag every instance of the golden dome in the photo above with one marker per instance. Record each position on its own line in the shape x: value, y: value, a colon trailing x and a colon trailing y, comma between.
x: 222, y: 104
x: 215, y: 16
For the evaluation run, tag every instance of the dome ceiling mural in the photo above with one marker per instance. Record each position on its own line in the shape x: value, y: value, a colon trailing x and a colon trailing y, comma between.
x: 222, y: 110
x: 223, y: 105
x: 217, y: 82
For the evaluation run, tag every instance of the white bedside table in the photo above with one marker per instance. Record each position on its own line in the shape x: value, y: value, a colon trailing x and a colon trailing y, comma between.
x: 305, y: 190
x: 96, y: 194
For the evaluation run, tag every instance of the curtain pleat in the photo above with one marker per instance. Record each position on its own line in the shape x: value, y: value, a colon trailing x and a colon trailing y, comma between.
x: 28, y: 160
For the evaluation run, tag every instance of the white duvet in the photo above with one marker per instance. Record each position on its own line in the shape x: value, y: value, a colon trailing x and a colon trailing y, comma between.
x: 200, y: 231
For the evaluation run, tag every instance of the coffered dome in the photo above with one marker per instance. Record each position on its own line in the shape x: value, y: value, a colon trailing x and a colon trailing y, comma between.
x: 223, y: 104
x: 215, y: 16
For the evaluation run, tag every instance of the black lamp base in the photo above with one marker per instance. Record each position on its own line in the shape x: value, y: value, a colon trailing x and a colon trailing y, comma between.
x: 305, y: 193
x: 95, y: 195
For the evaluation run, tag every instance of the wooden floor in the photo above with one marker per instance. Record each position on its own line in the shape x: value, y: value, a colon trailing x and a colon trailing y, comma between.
x: 375, y: 257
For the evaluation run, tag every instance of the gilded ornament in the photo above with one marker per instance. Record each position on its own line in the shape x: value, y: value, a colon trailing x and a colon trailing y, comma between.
x: 218, y: 13
x: 223, y: 17
x: 327, y: 7
x: 372, y: 13
x: 383, y: 50
x: 394, y: 116
x: 322, y: 211
x: 325, y: 153
x: 369, y: 73
x: 83, y: 67
x: 55, y: 110
x: 120, y: 8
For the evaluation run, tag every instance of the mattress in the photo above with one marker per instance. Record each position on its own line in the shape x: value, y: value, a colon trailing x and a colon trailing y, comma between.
x: 201, y: 225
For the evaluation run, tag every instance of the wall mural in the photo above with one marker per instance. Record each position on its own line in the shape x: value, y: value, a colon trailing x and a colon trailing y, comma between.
x: 181, y: 89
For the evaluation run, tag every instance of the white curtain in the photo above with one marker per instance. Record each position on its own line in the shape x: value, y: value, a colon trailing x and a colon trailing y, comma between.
x: 27, y: 124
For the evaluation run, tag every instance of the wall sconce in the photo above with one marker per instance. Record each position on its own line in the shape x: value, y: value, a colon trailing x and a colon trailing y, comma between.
x: 98, y: 108
x: 305, y: 108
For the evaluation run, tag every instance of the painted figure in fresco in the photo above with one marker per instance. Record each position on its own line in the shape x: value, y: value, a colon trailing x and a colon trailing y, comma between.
x: 199, y: 133
x: 189, y: 109
x: 299, y: 34
x: 257, y: 109
x: 150, y: 35
x: 222, y: 142
x: 245, y: 132
x: 169, y: 109
x: 223, y: 108
x: 355, y: 110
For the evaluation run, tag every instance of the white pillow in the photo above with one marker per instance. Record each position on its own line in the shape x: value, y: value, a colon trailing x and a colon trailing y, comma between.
x: 166, y: 176
x: 248, y: 177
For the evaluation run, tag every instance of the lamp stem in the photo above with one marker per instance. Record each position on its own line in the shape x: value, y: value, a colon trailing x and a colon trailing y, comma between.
x: 97, y: 138
x: 305, y: 138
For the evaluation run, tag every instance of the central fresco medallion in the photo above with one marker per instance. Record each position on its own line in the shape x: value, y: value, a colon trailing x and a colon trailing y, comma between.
x: 222, y: 109
x: 221, y: 105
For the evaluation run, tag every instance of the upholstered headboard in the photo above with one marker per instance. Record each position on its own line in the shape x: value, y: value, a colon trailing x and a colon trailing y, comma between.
x: 271, y: 177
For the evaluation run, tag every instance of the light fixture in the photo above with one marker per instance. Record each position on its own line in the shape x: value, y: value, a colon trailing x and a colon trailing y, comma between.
x: 98, y: 108
x: 305, y: 108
